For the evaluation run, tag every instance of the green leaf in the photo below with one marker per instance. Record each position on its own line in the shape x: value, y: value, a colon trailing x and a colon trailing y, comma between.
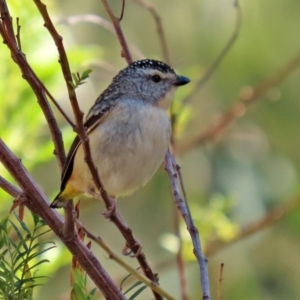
x: 123, y: 281
x: 36, y: 219
x: 133, y: 286
x: 93, y: 291
x: 23, y: 224
x: 137, y: 292
x: 79, y: 291
x: 86, y: 74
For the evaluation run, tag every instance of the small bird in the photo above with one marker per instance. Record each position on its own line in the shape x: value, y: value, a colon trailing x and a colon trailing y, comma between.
x: 129, y: 131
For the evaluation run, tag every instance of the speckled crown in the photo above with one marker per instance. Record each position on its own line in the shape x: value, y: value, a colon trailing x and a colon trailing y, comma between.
x: 151, y: 64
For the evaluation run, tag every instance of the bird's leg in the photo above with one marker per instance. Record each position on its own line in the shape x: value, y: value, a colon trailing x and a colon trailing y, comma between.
x: 110, y: 210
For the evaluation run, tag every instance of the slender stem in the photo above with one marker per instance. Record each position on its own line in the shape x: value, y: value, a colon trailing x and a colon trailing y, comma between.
x: 116, y: 23
x: 274, y: 215
x: 208, y: 74
x: 219, y: 293
x: 179, y: 258
x: 193, y: 231
x: 99, y: 241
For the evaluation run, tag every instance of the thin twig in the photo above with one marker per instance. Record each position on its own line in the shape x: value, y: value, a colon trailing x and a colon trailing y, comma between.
x: 89, y: 18
x: 219, y: 293
x: 273, y: 216
x: 179, y: 258
x: 38, y: 204
x: 159, y: 27
x: 122, y: 11
x: 200, y: 83
x: 240, y: 107
x: 183, y: 276
x: 116, y: 23
x: 18, y: 35
x: 112, y: 255
x: 95, y: 19
x: 193, y: 231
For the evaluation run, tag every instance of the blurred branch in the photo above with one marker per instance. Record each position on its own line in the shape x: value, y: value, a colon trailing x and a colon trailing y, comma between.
x: 179, y: 258
x: 219, y: 294
x: 95, y: 19
x: 193, y: 231
x: 37, y: 202
x: 240, y: 107
x: 89, y: 18
x: 221, y: 56
x: 99, y: 241
x: 116, y: 23
x: 159, y: 26
x: 272, y: 217
x: 183, y: 276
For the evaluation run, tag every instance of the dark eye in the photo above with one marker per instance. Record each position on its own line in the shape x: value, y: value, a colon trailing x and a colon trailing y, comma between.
x: 155, y: 78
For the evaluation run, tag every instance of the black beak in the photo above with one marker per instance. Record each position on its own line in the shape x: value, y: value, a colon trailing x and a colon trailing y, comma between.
x: 181, y: 80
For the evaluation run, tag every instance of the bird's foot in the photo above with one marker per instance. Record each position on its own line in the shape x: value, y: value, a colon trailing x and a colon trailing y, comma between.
x: 110, y: 210
x: 129, y: 252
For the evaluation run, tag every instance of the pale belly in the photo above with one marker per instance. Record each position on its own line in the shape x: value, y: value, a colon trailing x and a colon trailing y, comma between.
x: 127, y: 154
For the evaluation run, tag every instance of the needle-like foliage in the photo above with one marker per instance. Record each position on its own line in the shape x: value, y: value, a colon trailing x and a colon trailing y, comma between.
x: 21, y: 249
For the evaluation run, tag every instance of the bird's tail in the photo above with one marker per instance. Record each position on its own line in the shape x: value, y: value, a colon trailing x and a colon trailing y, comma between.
x: 59, y: 202
x: 64, y: 196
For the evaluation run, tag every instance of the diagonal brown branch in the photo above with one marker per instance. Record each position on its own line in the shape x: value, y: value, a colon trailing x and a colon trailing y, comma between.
x: 192, y: 229
x: 273, y: 216
x: 6, y: 30
x: 116, y: 23
x: 7, y: 33
x: 37, y: 202
x: 121, y: 262
x: 200, y: 83
x: 240, y: 107
x: 95, y: 19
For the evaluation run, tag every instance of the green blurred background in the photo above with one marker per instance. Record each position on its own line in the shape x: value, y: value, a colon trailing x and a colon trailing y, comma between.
x: 230, y: 182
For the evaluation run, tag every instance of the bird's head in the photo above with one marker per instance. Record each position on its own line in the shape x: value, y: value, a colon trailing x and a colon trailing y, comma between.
x: 151, y: 81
